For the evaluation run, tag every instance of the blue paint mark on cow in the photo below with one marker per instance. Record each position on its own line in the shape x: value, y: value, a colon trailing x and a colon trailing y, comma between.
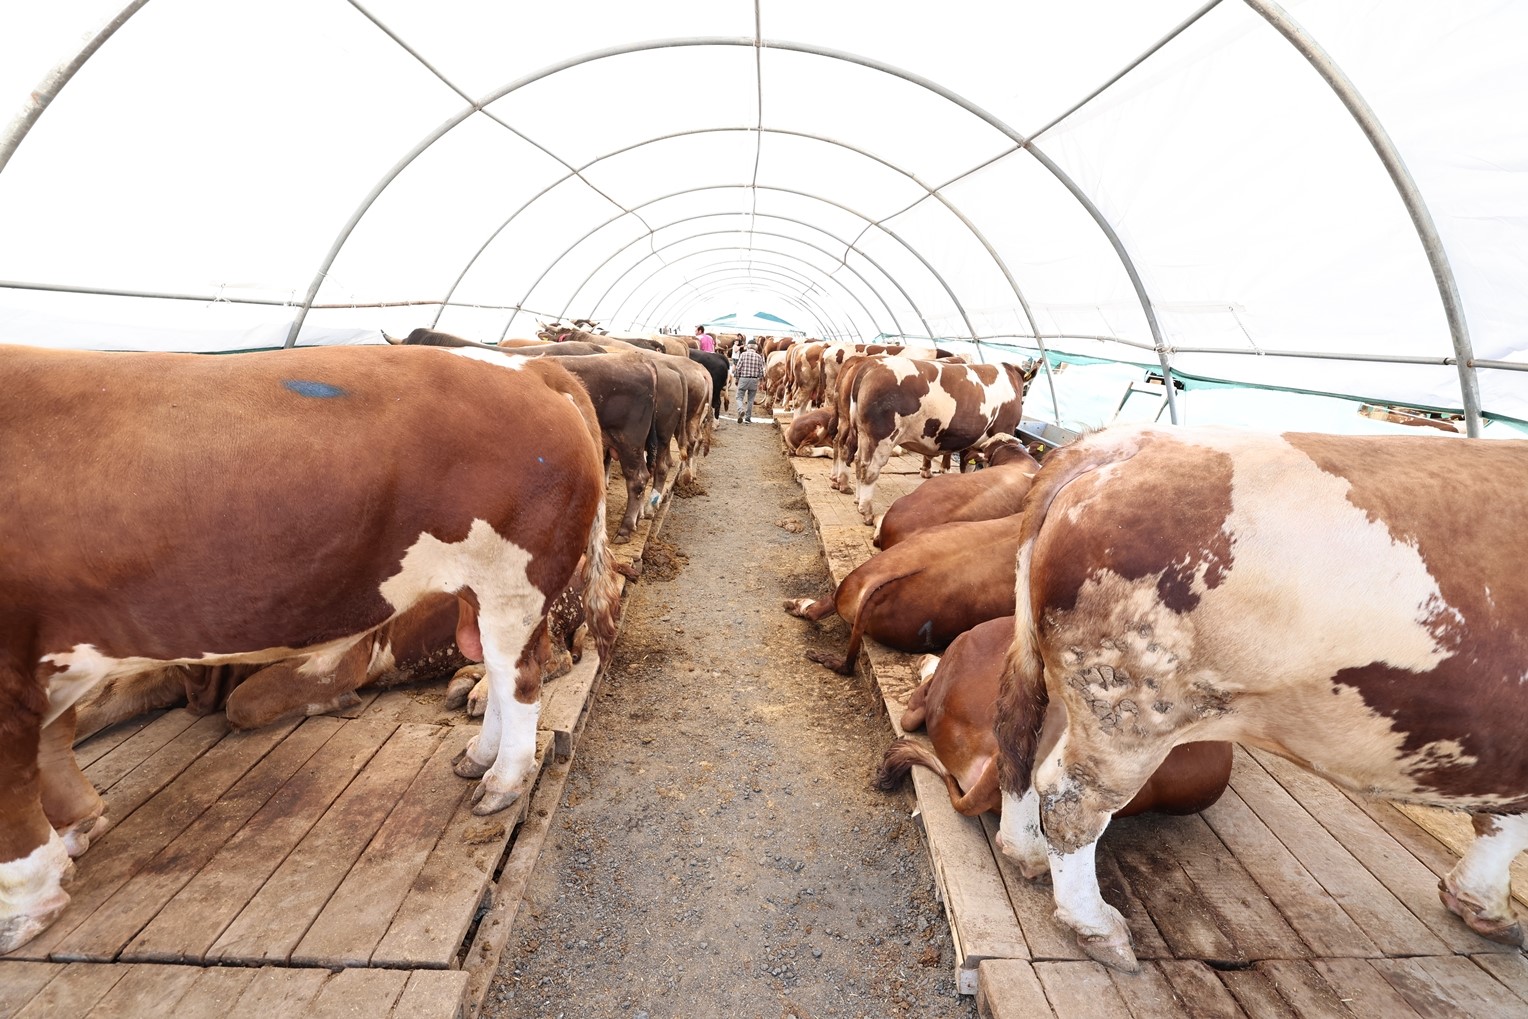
x: 926, y: 633
x: 306, y: 387
x: 540, y: 460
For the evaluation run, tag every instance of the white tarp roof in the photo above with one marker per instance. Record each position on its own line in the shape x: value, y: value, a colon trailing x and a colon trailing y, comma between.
x: 1171, y: 181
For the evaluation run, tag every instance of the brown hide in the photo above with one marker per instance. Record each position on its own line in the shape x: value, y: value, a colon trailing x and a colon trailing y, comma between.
x: 374, y: 452
x: 808, y: 431
x: 925, y: 592
x: 957, y: 707
x: 996, y: 491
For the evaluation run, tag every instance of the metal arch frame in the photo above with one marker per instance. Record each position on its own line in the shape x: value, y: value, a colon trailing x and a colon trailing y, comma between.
x: 753, y: 212
x: 21, y: 126
x: 719, y: 187
x: 807, y: 300
x: 829, y: 274
x: 744, y: 272
x: 785, y: 272
x: 754, y: 232
x: 1411, y: 197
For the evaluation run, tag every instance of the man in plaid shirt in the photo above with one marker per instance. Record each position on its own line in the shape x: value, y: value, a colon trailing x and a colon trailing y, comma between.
x: 748, y: 370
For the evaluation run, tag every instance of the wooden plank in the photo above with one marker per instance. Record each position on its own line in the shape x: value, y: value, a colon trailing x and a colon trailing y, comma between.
x: 1154, y: 852
x: 1509, y: 970
x: 358, y: 992
x: 136, y: 771
x: 188, y: 925
x: 1200, y: 989
x: 20, y: 981
x: 1009, y: 989
x: 1257, y: 996
x: 1454, y: 829
x: 278, y: 916
x: 1144, y: 936
x: 493, y: 929
x: 1393, y: 928
x: 141, y: 897
x: 1415, y: 981
x: 1411, y: 881
x: 124, y: 756
x: 92, y: 748
x: 1148, y: 994
x: 1298, y: 896
x: 419, y: 703
x: 214, y: 993
x: 432, y: 994
x: 563, y: 701
x: 1306, y: 991
x: 1080, y: 990
x: 278, y: 991
x: 1470, y: 987
x: 1359, y: 985
x: 145, y: 991
x: 981, y: 919
x: 73, y: 992
x: 438, y: 910
x: 124, y: 850
x: 362, y: 908
x: 1033, y: 908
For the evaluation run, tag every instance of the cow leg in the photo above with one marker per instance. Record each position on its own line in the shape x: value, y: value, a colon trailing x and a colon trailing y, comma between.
x: 1080, y: 787
x: 1479, y: 888
x: 868, y: 471
x: 299, y: 687
x: 634, y: 470
x: 71, y: 803
x: 34, y: 862
x: 503, y: 754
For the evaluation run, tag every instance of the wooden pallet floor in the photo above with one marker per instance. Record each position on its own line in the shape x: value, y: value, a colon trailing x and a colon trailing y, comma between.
x: 326, y: 866
x: 1286, y: 898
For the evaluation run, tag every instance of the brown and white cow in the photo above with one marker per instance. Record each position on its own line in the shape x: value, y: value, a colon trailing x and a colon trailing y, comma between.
x: 810, y: 434
x: 925, y: 592
x: 168, y: 509
x: 996, y: 491
x: 956, y: 704
x: 927, y: 407
x: 1358, y: 605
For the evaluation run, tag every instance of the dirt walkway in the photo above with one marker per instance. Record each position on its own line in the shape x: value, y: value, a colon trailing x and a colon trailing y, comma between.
x: 720, y: 851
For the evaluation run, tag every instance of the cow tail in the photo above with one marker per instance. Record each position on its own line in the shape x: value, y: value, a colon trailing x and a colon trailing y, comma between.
x: 602, y: 587
x: 1022, y: 696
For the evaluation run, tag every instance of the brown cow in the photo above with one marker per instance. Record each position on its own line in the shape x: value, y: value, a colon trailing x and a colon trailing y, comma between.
x: 927, y: 407
x: 956, y: 704
x: 996, y: 491
x: 925, y: 592
x: 1319, y: 596
x: 808, y: 434
x: 387, y: 498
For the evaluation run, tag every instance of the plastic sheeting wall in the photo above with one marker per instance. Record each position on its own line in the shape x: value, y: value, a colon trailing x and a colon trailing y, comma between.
x: 214, y: 168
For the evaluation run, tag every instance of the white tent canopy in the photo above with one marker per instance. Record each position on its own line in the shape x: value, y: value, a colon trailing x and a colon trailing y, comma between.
x: 1327, y: 196
x: 752, y: 322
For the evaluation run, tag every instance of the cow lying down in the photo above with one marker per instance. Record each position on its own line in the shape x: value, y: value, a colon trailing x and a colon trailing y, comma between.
x: 956, y: 705
x: 925, y: 592
x: 996, y: 491
x: 1358, y: 605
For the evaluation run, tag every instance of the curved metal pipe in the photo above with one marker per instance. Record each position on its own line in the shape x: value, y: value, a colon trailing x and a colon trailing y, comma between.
x: 765, y: 268
x: 1411, y: 196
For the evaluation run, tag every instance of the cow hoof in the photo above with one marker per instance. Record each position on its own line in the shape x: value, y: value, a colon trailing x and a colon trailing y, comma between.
x: 465, y: 766
x: 1109, y: 951
x: 461, y: 686
x: 477, y: 700
x: 1032, y: 869
x: 1503, y: 930
x: 77, y: 836
x: 33, y: 892
x: 621, y: 538
x: 798, y: 606
x: 840, y: 665
x: 489, y: 801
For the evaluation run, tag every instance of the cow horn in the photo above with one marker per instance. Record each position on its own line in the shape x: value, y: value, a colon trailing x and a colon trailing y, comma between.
x: 391, y: 339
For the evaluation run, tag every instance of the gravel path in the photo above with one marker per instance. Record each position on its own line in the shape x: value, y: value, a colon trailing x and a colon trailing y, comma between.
x: 720, y: 851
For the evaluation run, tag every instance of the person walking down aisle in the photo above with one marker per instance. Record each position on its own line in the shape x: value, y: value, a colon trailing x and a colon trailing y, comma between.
x: 749, y: 369
x: 705, y: 340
